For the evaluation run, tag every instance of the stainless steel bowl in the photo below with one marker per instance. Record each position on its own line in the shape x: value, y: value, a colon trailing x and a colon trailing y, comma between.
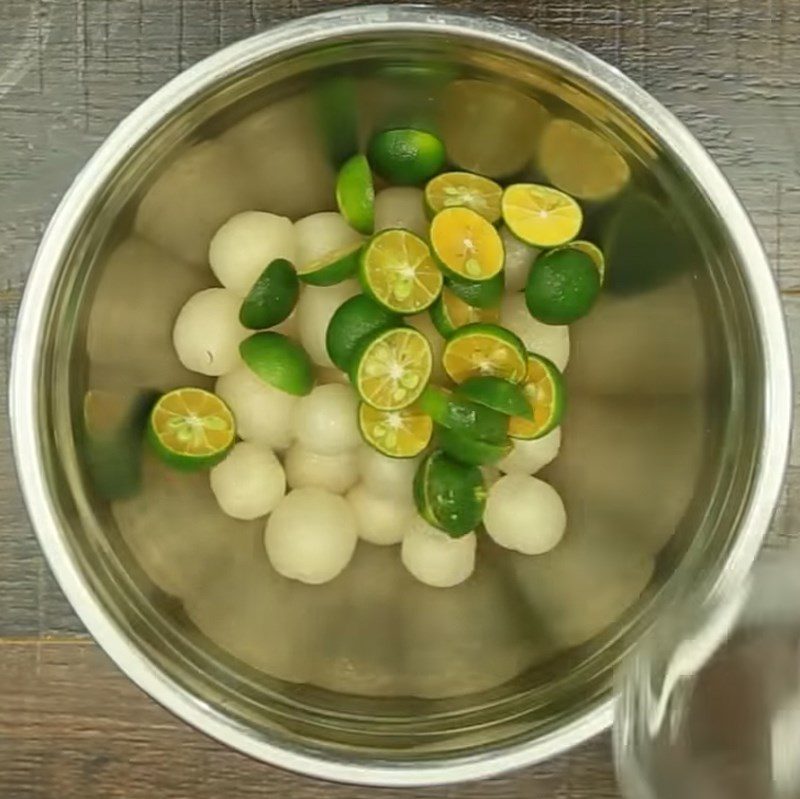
x: 674, y: 447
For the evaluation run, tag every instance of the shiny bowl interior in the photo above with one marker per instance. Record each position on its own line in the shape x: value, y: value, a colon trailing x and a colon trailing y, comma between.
x: 374, y: 677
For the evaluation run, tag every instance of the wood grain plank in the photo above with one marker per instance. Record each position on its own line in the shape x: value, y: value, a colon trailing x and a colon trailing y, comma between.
x: 30, y: 600
x: 71, y: 726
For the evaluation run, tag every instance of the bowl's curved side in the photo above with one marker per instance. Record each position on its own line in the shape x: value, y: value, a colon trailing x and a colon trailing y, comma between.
x: 25, y: 398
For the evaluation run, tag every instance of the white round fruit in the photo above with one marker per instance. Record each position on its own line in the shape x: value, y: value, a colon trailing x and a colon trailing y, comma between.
x: 525, y: 514
x: 387, y: 477
x: 263, y: 414
x: 519, y: 260
x: 246, y: 244
x: 250, y: 481
x: 316, y: 306
x: 528, y: 456
x: 321, y: 235
x: 311, y: 536
x: 381, y: 520
x: 552, y: 341
x: 327, y: 420
x: 436, y: 559
x: 307, y: 469
x: 207, y: 333
x: 401, y: 207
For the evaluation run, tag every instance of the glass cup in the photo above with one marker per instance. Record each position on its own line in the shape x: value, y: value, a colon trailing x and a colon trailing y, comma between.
x: 709, y: 705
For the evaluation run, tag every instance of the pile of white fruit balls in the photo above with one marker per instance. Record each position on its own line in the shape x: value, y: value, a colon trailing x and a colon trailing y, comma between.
x: 339, y: 488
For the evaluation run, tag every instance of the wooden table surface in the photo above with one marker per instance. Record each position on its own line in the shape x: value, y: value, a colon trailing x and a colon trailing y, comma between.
x: 71, y: 726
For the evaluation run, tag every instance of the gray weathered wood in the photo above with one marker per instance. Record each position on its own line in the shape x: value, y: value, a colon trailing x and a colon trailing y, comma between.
x: 70, y: 725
